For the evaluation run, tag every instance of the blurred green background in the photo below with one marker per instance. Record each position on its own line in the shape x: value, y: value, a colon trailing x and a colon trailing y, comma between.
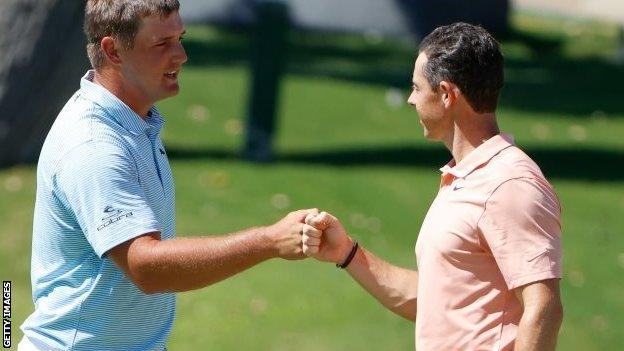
x: 348, y: 143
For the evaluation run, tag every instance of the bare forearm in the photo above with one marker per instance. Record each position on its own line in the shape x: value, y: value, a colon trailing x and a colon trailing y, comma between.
x: 538, y: 330
x: 326, y: 240
x: 392, y: 286
x: 183, y: 264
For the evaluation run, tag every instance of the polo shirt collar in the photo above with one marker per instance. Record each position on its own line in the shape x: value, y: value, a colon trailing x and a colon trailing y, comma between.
x: 118, y: 110
x: 479, y: 156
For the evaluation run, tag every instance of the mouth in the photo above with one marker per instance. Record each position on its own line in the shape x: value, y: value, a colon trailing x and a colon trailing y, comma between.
x: 172, y: 74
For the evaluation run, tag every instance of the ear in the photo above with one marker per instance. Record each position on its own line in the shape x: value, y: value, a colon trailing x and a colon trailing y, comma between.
x: 110, y: 48
x: 448, y: 93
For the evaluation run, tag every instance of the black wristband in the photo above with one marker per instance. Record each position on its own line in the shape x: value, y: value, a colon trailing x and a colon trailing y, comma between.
x: 350, y: 257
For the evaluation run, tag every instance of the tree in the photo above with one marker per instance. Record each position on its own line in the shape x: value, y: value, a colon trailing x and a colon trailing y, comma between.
x: 42, y: 56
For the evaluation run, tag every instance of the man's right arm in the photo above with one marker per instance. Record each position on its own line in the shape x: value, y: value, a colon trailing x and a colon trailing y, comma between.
x: 183, y: 264
x: 325, y: 239
x: 99, y: 182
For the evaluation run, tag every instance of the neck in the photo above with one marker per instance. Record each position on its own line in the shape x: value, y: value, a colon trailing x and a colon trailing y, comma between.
x: 470, y: 132
x: 114, y: 82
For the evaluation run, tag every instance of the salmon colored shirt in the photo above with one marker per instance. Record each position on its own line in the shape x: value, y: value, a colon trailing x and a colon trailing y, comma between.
x: 494, y: 226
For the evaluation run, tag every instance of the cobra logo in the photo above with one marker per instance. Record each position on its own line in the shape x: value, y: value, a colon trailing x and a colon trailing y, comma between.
x: 113, y: 215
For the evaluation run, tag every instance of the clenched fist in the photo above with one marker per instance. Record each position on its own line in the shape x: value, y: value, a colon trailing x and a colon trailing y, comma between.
x: 325, y: 239
x: 286, y: 234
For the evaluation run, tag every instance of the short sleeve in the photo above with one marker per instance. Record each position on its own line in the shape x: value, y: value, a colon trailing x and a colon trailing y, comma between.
x: 521, y: 227
x: 100, y: 183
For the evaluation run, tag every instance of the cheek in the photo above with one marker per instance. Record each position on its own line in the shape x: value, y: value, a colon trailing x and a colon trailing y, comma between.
x: 150, y: 62
x: 416, y: 101
x: 143, y: 70
x: 424, y: 109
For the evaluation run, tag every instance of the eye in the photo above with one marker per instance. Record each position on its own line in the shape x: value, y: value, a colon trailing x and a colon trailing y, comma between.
x: 162, y: 43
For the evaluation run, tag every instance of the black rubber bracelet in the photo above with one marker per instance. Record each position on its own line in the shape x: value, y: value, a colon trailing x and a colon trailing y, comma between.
x: 350, y: 257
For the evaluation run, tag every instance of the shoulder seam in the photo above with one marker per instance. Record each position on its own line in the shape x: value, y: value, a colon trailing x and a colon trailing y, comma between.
x: 490, y: 196
x: 59, y: 164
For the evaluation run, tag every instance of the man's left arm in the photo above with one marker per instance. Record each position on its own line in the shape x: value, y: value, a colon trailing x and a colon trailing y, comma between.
x: 541, y: 317
x: 521, y: 227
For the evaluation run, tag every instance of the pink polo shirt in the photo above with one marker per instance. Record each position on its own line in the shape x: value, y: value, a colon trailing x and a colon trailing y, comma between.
x: 494, y: 226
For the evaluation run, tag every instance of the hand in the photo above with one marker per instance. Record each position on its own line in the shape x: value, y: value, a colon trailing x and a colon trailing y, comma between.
x: 285, y: 235
x: 325, y: 239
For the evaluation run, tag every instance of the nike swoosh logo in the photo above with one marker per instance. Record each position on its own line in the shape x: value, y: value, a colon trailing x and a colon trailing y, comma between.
x: 458, y: 187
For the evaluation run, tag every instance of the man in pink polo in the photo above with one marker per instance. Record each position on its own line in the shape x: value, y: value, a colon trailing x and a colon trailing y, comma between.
x: 489, y: 249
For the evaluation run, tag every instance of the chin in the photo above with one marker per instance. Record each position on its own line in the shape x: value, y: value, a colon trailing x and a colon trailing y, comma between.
x: 431, y: 136
x: 170, y: 91
x: 174, y: 92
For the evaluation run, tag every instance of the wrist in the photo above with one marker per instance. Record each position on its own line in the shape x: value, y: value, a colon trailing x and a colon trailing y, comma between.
x: 350, y: 257
x: 268, y: 245
x: 345, y: 249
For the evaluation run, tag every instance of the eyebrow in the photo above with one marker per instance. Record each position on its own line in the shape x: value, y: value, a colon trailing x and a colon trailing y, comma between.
x: 172, y: 36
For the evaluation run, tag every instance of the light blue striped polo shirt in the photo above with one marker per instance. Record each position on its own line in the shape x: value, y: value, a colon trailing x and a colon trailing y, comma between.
x: 103, y: 178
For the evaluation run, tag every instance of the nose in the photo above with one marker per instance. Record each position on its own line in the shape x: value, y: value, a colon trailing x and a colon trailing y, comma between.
x: 411, y: 99
x: 180, y: 55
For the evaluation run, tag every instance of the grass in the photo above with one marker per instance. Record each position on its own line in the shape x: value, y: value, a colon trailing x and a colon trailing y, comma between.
x: 348, y: 143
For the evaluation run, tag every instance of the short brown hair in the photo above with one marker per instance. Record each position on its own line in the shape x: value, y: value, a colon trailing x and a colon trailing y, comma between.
x: 468, y: 56
x: 119, y: 19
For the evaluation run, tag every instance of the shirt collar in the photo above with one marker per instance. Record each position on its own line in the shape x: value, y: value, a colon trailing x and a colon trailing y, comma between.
x: 118, y: 110
x: 479, y: 156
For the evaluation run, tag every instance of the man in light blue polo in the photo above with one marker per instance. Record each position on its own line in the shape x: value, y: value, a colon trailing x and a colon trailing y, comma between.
x: 105, y: 260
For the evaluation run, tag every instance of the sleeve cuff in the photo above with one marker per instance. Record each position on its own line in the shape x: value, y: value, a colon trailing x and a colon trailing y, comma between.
x: 105, y: 246
x: 533, y: 277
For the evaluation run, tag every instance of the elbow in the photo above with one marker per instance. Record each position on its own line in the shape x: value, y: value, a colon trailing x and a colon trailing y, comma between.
x: 143, y: 274
x: 142, y: 262
x: 146, y: 286
x: 410, y: 316
x: 405, y: 309
x: 144, y: 282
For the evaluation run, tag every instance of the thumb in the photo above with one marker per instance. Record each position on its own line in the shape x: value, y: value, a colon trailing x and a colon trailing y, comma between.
x: 300, y: 215
x: 309, y: 217
x: 321, y: 221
